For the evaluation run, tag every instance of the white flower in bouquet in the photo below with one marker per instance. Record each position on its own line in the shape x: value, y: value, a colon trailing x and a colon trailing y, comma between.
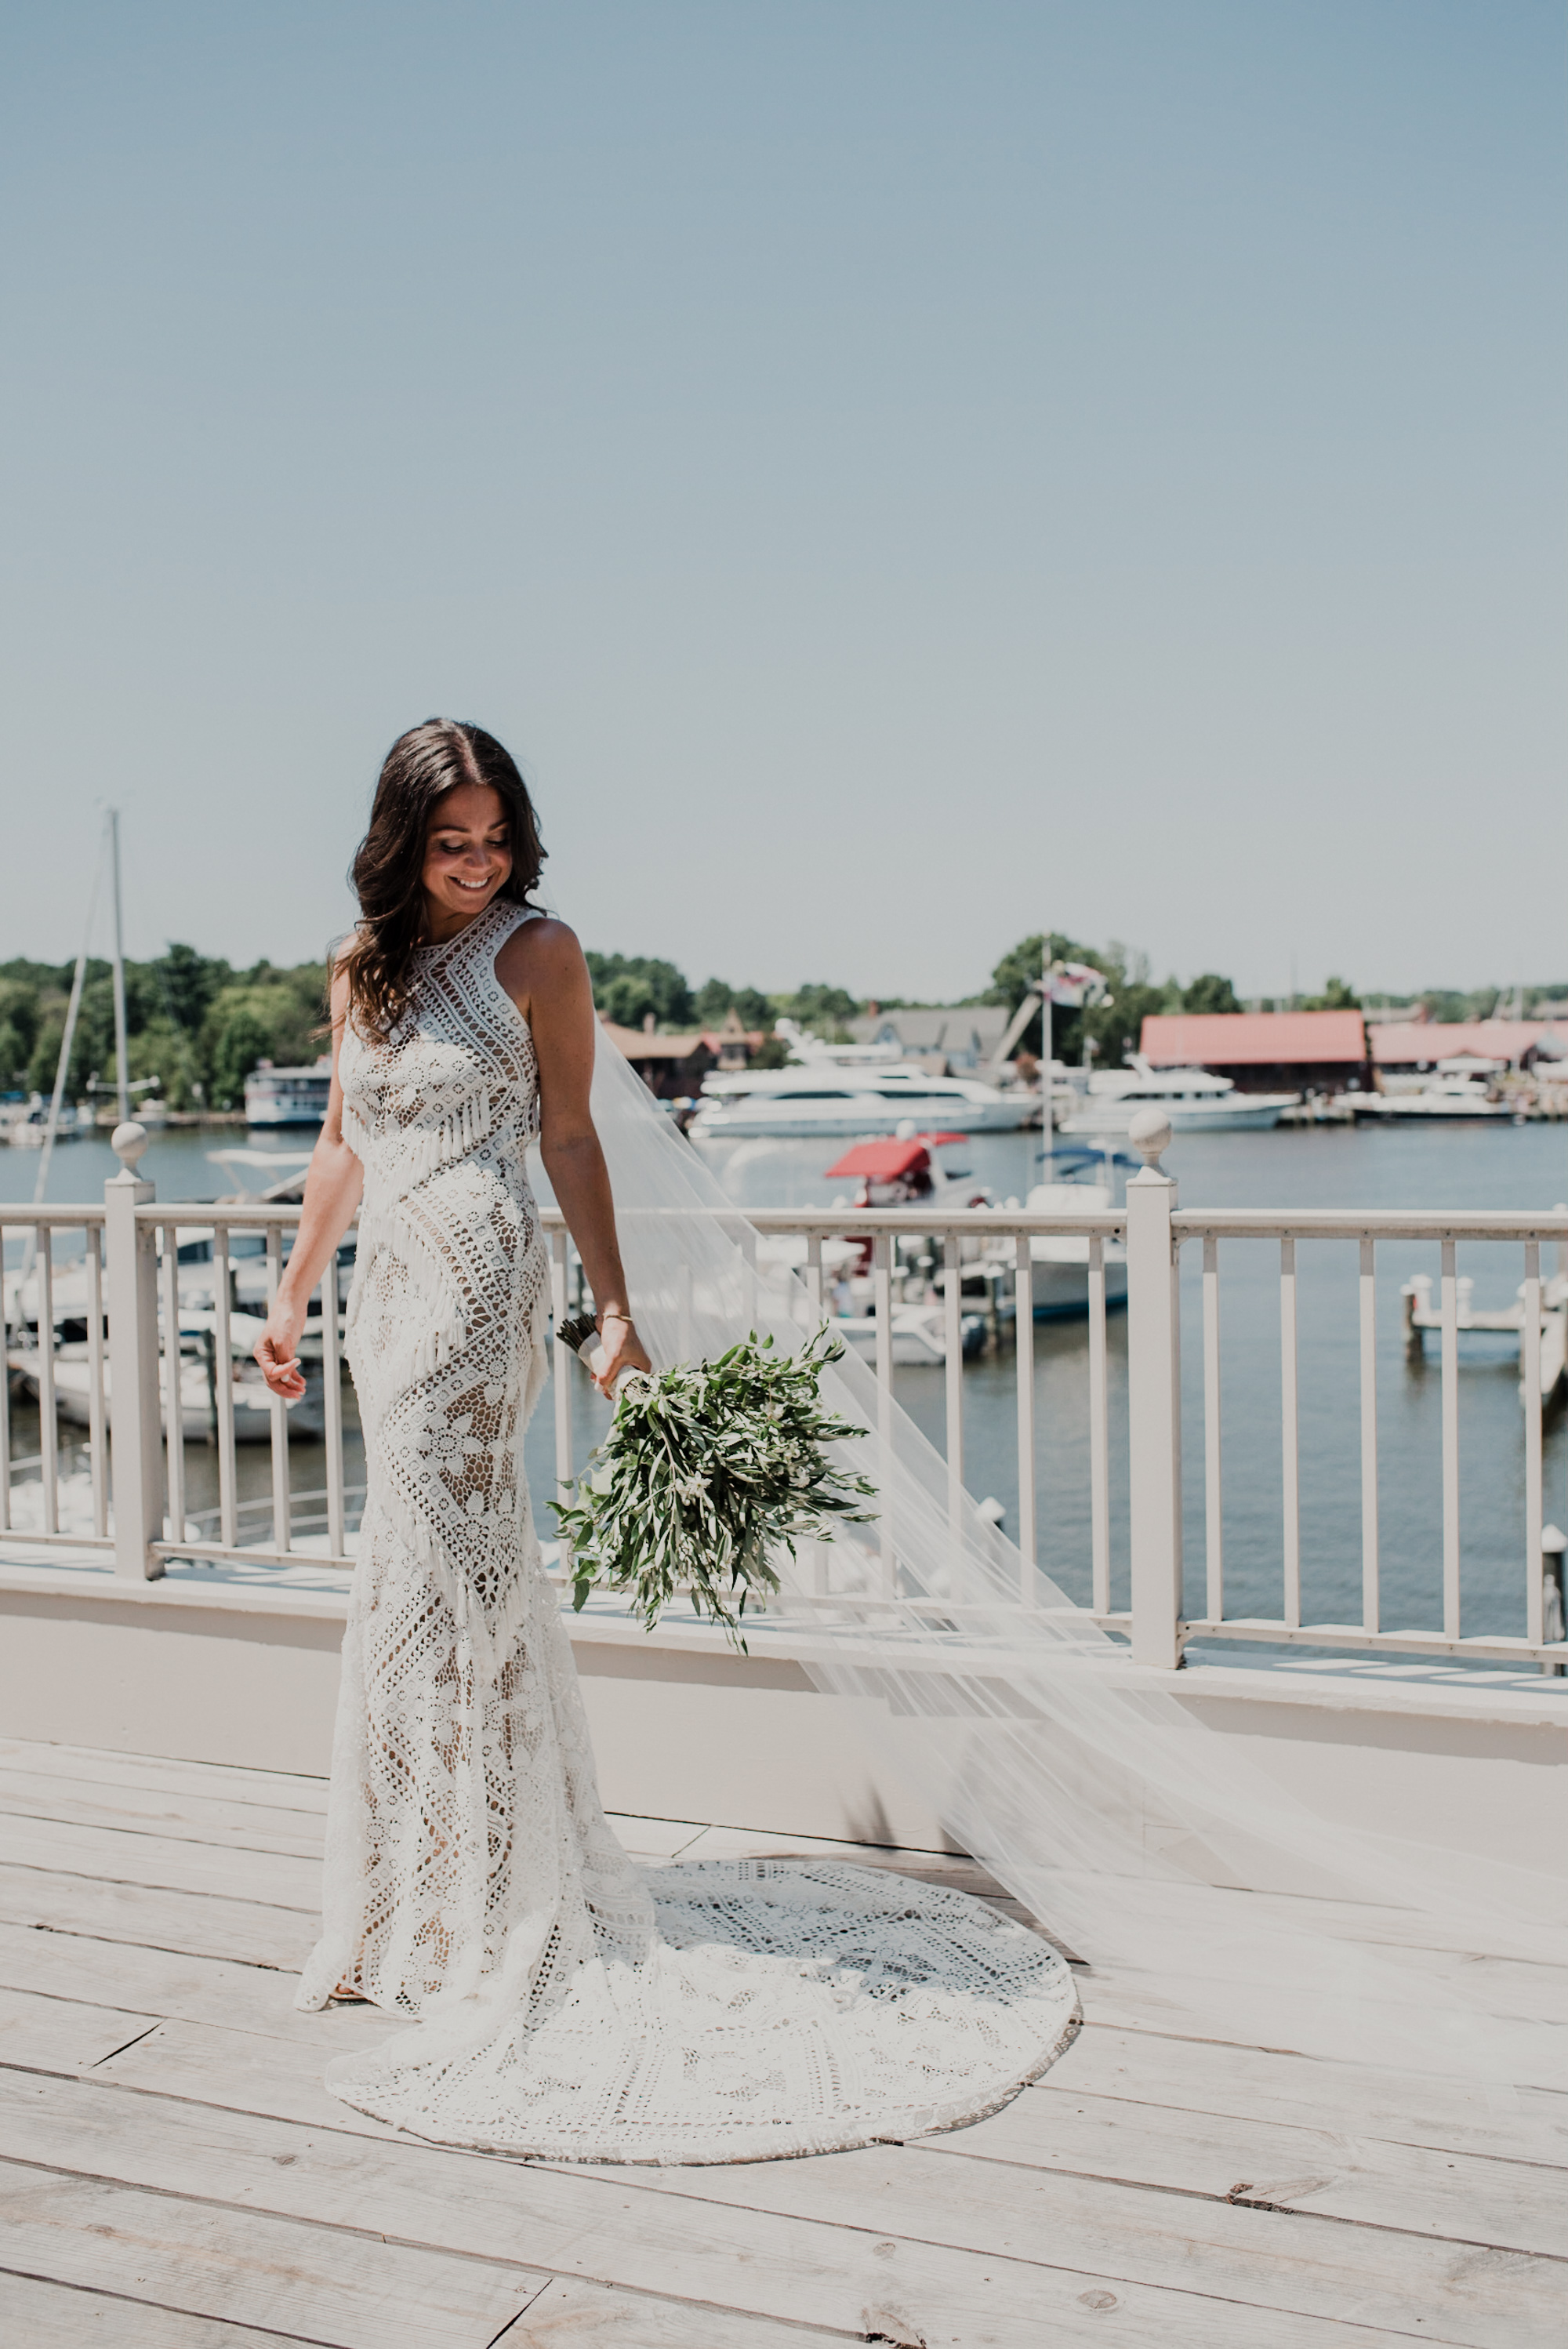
x: 706, y: 1471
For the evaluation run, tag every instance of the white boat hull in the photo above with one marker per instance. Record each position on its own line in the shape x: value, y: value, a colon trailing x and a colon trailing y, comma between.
x: 1060, y: 1289
x: 1427, y: 1106
x: 1111, y: 1118
x: 865, y: 1113
x: 276, y: 1114
x: 253, y: 1403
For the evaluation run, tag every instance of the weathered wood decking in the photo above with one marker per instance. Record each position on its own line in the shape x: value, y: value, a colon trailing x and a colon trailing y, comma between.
x: 173, y: 2176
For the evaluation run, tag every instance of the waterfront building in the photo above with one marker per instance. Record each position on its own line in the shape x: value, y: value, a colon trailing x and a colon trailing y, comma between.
x: 1411, y: 1046
x: 1264, y: 1051
x: 288, y: 1096
x: 673, y: 1067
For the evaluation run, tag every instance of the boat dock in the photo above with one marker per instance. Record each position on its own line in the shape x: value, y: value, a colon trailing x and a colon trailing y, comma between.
x: 1421, y: 1315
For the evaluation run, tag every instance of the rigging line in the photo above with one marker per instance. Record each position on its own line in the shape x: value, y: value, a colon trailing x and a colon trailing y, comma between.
x: 62, y: 1065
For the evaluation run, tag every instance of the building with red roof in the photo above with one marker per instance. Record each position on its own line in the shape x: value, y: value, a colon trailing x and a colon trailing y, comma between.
x: 1263, y: 1051
x: 1421, y: 1043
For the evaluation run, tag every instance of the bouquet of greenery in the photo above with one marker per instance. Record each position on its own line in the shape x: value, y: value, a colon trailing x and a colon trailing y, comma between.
x: 703, y: 1472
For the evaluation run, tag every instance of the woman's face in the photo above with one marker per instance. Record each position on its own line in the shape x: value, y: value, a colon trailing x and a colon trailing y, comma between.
x: 468, y: 855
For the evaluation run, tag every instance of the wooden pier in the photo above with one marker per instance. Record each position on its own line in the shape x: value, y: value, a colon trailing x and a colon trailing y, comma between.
x: 1505, y: 1320
x: 176, y: 2177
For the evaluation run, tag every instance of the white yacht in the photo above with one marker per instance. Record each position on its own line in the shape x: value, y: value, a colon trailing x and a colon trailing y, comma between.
x: 825, y: 1098
x: 1195, y: 1100
x: 1450, y: 1093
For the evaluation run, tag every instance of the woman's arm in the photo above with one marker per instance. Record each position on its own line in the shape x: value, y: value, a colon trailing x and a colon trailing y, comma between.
x: 332, y: 1190
x: 542, y: 968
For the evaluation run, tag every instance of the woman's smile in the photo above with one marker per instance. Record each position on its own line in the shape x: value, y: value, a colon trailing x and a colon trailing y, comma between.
x: 467, y: 856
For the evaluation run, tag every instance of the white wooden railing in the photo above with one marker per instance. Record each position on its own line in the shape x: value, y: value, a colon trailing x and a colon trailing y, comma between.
x: 129, y: 1263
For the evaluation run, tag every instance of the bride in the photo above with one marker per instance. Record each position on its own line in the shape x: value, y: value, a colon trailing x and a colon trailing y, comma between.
x: 561, y: 2000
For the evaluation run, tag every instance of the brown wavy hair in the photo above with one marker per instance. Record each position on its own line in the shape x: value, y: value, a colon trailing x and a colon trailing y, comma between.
x: 418, y: 770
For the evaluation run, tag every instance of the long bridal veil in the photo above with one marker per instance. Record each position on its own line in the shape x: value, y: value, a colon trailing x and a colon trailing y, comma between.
x: 1227, y: 1907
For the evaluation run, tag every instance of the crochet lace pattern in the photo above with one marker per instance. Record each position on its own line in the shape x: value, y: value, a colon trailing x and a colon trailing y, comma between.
x: 561, y: 1999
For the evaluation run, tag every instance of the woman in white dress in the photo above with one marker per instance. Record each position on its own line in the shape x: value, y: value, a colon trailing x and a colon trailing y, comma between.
x: 566, y: 2002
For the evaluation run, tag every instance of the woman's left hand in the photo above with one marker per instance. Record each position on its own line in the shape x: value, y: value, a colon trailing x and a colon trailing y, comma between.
x: 622, y: 1350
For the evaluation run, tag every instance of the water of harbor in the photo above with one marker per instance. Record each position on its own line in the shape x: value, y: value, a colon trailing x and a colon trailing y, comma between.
x: 1500, y: 1165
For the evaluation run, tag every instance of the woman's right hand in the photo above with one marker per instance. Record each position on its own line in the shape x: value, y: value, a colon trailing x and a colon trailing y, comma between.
x: 277, y: 1349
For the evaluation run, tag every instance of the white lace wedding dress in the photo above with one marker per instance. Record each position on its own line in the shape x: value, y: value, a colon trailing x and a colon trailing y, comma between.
x: 563, y: 2001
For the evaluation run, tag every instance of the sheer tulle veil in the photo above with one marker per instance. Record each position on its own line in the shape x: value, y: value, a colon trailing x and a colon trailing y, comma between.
x: 1232, y: 1908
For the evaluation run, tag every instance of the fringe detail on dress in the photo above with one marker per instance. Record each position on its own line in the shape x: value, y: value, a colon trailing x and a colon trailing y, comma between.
x: 423, y: 1150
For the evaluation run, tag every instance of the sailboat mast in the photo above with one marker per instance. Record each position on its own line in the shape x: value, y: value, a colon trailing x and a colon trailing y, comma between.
x: 1047, y: 1106
x: 122, y: 1074
x: 62, y: 1070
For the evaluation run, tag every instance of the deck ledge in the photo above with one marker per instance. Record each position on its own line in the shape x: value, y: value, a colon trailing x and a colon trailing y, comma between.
x: 1416, y: 1688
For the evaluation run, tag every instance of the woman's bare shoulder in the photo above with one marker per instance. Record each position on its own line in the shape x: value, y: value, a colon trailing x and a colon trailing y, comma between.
x: 541, y: 954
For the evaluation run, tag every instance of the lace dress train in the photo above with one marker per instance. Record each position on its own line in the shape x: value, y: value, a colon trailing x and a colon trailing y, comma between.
x: 561, y: 1999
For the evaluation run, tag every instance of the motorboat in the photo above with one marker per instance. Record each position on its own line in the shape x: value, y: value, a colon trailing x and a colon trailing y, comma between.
x: 1058, y: 1262
x: 1447, y: 1094
x: 25, y: 1124
x: 250, y: 1277
x: 906, y: 1171
x: 827, y: 1099
x: 72, y: 1374
x: 1194, y: 1100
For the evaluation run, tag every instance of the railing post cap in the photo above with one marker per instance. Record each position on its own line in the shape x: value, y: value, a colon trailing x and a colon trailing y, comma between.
x: 128, y: 1141
x: 1149, y: 1130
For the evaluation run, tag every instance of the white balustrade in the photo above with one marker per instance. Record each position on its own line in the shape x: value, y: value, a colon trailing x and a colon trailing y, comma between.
x: 136, y: 1410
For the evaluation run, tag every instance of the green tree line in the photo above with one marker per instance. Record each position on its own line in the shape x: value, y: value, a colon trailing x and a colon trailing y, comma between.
x: 199, y: 1026
x: 627, y: 987
x: 193, y: 1021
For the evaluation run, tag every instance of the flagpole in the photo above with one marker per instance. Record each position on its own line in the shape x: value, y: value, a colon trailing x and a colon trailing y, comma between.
x: 122, y: 1074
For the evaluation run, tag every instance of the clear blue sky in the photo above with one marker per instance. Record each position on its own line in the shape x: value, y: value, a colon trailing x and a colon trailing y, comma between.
x: 896, y: 474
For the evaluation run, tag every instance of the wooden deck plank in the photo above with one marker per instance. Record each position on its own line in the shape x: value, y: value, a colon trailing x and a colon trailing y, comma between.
x: 571, y: 2313
x: 163, y: 1863
x: 194, y: 1923
x: 155, y: 1772
x: 1466, y: 2197
x: 613, y: 2230
x: 1274, y: 2258
x: 38, y: 2315
x: 191, y: 1818
x: 1462, y: 2197
x: 56, y: 2034
x: 350, y: 2290
x: 1257, y: 2084
x: 1179, y: 2241
x: 166, y: 1985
